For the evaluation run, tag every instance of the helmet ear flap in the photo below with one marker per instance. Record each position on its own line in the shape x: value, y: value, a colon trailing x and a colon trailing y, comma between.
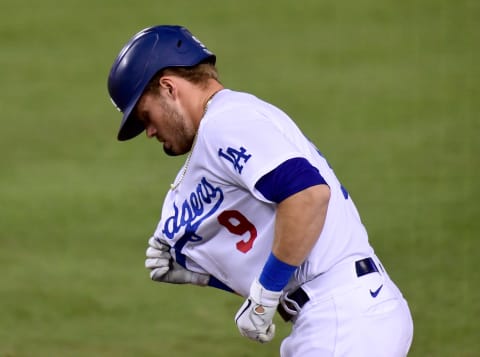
x: 144, y: 55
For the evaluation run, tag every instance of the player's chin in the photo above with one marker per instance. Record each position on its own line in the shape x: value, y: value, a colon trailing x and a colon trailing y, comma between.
x: 176, y: 150
x: 171, y: 152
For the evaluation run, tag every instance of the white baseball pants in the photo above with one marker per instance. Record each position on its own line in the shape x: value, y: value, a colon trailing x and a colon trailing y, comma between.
x: 353, y: 316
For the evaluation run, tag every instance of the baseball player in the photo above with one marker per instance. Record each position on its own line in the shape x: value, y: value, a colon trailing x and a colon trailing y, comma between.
x: 256, y: 209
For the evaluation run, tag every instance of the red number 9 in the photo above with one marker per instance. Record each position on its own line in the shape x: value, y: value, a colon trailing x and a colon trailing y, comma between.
x: 238, y: 224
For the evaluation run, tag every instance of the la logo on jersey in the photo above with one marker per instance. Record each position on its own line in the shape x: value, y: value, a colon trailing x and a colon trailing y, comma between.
x: 236, y: 157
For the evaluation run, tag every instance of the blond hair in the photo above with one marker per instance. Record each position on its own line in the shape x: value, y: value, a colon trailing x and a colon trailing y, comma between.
x: 199, y: 74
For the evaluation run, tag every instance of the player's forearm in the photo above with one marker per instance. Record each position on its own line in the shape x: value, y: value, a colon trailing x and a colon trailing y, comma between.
x: 299, y: 222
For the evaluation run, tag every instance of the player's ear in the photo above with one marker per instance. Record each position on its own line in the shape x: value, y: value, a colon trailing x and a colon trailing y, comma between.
x: 168, y: 85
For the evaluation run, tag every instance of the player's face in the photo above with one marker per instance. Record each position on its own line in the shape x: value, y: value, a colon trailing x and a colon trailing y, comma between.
x: 164, y: 120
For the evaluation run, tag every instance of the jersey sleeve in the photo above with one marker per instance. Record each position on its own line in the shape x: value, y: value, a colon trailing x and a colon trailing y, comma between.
x: 246, y: 144
x: 290, y: 177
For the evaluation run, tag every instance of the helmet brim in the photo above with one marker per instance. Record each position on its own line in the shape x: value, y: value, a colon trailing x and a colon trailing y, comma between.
x: 130, y: 126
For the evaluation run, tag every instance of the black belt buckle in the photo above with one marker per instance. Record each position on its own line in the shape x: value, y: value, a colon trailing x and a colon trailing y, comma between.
x: 299, y: 296
x: 283, y: 313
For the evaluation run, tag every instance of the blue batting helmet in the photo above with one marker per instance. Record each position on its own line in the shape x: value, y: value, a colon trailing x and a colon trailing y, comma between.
x: 148, y: 52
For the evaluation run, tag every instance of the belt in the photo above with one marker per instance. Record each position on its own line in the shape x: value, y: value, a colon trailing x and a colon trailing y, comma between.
x: 362, y: 267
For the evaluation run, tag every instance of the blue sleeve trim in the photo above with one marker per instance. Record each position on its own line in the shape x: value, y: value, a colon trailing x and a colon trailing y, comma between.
x: 214, y: 282
x: 275, y: 274
x: 290, y: 177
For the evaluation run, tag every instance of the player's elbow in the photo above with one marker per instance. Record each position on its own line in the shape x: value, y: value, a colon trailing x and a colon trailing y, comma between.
x: 313, y: 199
x: 320, y: 196
x: 308, y: 202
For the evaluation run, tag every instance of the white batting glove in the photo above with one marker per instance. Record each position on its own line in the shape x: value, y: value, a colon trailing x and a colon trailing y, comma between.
x: 255, y: 318
x: 164, y: 269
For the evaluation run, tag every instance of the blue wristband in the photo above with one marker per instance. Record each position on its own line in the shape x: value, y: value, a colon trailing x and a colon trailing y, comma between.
x: 275, y: 274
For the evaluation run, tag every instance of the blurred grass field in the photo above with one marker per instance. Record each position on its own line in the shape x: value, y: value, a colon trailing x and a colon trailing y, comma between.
x: 388, y: 90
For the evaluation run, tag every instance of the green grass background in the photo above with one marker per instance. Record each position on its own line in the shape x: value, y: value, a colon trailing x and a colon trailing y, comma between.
x: 389, y: 91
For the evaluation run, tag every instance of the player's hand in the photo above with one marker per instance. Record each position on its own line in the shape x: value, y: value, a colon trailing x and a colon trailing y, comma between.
x: 255, y: 318
x: 164, y: 269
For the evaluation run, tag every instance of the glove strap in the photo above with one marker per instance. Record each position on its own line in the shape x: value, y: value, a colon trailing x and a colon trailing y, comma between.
x: 262, y: 296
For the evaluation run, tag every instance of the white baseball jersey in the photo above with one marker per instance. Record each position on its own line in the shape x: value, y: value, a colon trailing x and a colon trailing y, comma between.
x: 218, y: 223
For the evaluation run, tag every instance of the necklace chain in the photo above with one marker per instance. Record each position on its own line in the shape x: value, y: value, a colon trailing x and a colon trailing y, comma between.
x: 177, y: 183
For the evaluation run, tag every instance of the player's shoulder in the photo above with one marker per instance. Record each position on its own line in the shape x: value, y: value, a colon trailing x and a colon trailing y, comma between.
x: 230, y: 107
x: 229, y: 100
